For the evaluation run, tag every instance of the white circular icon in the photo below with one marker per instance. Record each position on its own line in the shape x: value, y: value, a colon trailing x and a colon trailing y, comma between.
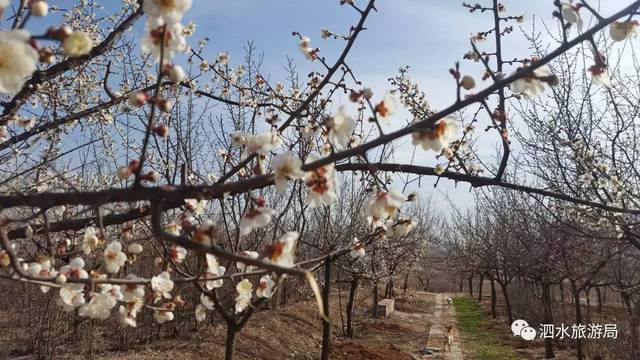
x: 517, y: 326
x: 528, y: 333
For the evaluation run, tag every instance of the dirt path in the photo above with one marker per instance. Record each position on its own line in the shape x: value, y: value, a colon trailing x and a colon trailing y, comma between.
x: 443, y: 316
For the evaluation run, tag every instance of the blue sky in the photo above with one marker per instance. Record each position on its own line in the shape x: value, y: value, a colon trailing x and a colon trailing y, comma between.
x: 428, y: 35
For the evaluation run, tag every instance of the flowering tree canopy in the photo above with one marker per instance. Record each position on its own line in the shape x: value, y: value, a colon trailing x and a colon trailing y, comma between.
x: 135, y: 164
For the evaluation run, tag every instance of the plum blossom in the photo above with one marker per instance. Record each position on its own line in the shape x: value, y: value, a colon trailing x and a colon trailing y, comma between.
x: 622, y: 30
x: 307, y: 50
x: 265, y: 287
x: 17, y: 60
x: 162, y: 316
x: 223, y: 59
x: 114, y: 258
x: 321, y: 183
x: 70, y: 297
x: 245, y: 290
x: 533, y: 84
x: 385, y: 204
x: 162, y: 284
x: 242, y: 267
x: 42, y: 268
x: 437, y: 138
x: 401, y: 227
x: 129, y: 311
x: 177, y: 74
x: 282, y: 252
x: 74, y: 270
x: 213, y: 270
x: 160, y: 40
x: 178, y: 253
x: 99, y: 306
x: 261, y: 144
x: 255, y: 217
x: 571, y: 14
x: 196, y: 206
x: 77, y: 43
x: 134, y: 249
x: 599, y: 73
x: 132, y: 291
x: 340, y: 127
x: 357, y: 250
x: 171, y: 11
x: 238, y: 139
x: 386, y: 107
x: 91, y: 240
x: 39, y: 8
x: 286, y: 167
x: 200, y: 313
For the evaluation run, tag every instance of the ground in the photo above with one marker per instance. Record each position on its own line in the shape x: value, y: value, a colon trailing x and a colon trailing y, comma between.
x: 294, y: 332
x: 416, y: 330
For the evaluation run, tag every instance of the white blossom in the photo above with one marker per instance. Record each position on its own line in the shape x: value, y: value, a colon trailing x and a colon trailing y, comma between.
x: 286, y: 166
x: 245, y: 290
x: 622, y: 30
x: 357, y: 250
x: 255, y: 217
x: 340, y: 127
x: 171, y: 11
x: 162, y: 284
x: 531, y: 85
x: 114, y: 258
x: 386, y: 107
x: 265, y: 287
x: 571, y: 14
x: 439, y: 137
x: 244, y: 268
x: 321, y: 183
x: 385, y: 204
x: 282, y: 252
x: 90, y: 241
x: 17, y: 60
x: 78, y: 43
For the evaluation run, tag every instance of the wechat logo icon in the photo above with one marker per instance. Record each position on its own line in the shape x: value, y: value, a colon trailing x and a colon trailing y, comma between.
x: 521, y: 328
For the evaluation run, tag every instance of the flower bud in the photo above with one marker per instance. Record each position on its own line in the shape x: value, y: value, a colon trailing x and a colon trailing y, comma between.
x: 123, y: 173
x: 176, y: 74
x: 468, y: 82
x: 135, y: 248
x: 138, y: 98
x: 61, y: 279
x: 161, y: 130
x: 39, y: 8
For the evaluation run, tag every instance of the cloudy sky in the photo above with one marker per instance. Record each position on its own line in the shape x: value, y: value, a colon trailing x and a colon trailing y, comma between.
x: 428, y: 35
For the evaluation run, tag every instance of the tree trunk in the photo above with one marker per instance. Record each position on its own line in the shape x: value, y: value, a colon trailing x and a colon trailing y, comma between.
x: 229, y: 347
x: 588, y: 293
x: 350, y: 304
x: 326, y: 326
x: 493, y: 298
x: 576, y: 300
x: 599, y: 296
x: 547, y: 302
x: 470, y: 279
x: 561, y: 293
x: 507, y: 303
x: 405, y: 285
x: 480, y: 288
x: 634, y: 322
x: 374, y: 308
x: 389, y: 291
x: 460, y: 284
